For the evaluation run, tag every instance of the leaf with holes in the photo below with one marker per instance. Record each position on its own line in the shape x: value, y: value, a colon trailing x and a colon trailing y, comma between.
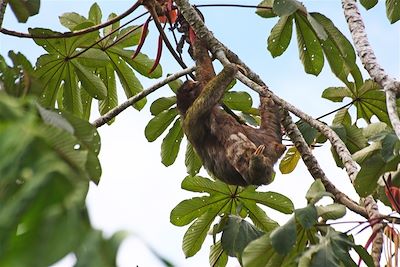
x: 310, y: 49
x: 281, y: 34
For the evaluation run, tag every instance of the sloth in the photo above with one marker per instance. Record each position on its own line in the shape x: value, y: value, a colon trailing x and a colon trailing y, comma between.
x: 232, y: 152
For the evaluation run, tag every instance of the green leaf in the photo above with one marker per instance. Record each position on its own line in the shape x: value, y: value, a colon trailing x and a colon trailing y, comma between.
x: 197, y: 232
x: 309, y: 47
x: 365, y: 153
x: 336, y: 94
x: 368, y: 4
x: 364, y: 255
x: 129, y: 36
x: 175, y: 84
x: 289, y: 161
x: 373, y: 129
x: 332, y: 211
x: 90, y: 82
x: 95, y: 14
x: 352, y: 136
x: 237, y: 234
x: 94, y: 58
x: 307, y: 217
x: 218, y: 257
x: 141, y: 63
x: 171, y: 143
x: 342, y: 117
x: 54, y: 119
x: 264, y: 9
x: 127, y: 77
x: 284, y: 237
x: 201, y: 184
x: 24, y: 9
x: 371, y: 169
x: 71, y: 19
x: 107, y: 31
x: 281, y: 34
x: 238, y: 100
x: 192, y: 161
x: 72, y: 101
x: 288, y: 7
x: 338, y: 51
x: 371, y: 101
x: 273, y: 200
x: 314, y: 192
x: 258, y: 216
x: 393, y: 10
x: 161, y: 104
x: 159, y: 124
x: 318, y: 28
x: 309, y: 133
x: 332, y: 250
x: 189, y: 209
x: 107, y: 75
x: 260, y: 253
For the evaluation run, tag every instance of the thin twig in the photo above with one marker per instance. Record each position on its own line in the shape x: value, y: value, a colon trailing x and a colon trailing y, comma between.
x: 76, y: 33
x: 117, y: 110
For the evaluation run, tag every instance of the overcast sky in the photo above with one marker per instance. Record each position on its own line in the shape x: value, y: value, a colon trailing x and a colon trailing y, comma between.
x: 137, y: 192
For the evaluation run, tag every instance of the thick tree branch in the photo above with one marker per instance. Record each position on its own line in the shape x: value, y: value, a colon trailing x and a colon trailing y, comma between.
x: 117, y: 110
x: 3, y: 6
x: 314, y: 168
x: 369, y: 61
x: 377, y: 229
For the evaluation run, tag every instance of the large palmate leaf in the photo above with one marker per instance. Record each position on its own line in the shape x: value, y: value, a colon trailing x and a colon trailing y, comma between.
x: 78, y: 69
x: 45, y: 179
x: 223, y: 199
x: 369, y: 100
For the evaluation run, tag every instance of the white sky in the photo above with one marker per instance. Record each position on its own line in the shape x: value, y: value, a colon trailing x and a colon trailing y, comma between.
x: 137, y: 192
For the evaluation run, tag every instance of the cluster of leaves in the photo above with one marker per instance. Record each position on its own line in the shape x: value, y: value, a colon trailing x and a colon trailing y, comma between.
x: 233, y: 204
x: 303, y: 241
x: 317, y: 37
x: 78, y: 69
x: 48, y: 161
x: 376, y: 147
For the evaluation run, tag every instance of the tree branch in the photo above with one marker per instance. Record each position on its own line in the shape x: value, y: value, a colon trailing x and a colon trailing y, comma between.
x: 377, y: 229
x: 370, y: 62
x: 3, y: 6
x: 71, y: 34
x: 314, y: 168
x: 117, y: 110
